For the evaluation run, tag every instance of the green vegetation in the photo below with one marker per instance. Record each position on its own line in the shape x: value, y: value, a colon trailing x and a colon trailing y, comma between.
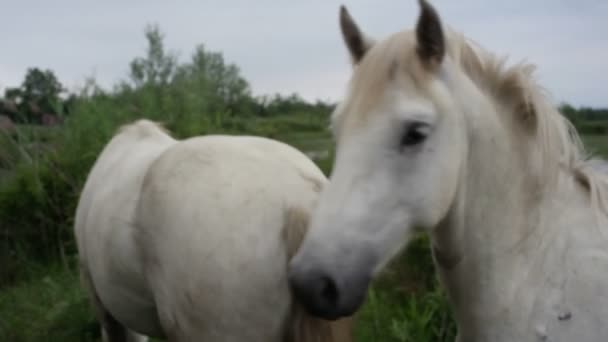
x: 49, y: 307
x: 42, y: 169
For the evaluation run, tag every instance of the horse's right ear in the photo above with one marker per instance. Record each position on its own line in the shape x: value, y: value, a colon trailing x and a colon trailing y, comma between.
x: 356, y: 41
x: 429, y: 36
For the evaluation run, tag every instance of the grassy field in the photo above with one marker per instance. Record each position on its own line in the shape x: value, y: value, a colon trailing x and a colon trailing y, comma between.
x: 404, y: 304
x: 43, y: 169
x: 48, y: 303
x: 596, y: 144
x: 49, y: 307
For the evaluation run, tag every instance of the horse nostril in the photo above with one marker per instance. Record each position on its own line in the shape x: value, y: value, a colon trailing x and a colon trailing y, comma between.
x: 329, y: 291
x: 318, y: 292
x: 325, y: 291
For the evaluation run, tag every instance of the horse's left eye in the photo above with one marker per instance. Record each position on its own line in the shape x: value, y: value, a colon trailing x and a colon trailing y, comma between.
x: 415, y: 133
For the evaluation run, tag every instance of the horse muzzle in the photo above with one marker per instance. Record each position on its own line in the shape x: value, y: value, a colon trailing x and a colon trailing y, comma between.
x: 327, y: 295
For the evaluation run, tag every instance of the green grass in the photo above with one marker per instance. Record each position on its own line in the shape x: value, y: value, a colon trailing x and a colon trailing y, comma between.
x: 51, y: 307
x: 596, y: 144
x: 308, y: 141
x: 405, y: 303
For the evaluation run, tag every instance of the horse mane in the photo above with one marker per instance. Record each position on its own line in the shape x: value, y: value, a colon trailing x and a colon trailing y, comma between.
x: 558, y: 144
x: 302, y: 326
x: 515, y: 87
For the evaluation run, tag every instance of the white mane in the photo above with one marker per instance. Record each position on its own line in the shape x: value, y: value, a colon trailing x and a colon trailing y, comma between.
x: 559, y: 144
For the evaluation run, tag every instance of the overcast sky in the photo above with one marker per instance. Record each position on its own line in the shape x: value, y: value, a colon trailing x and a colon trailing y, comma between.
x: 289, y: 46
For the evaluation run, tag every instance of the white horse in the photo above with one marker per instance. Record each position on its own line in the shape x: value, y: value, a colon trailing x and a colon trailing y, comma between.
x: 190, y: 240
x: 437, y: 134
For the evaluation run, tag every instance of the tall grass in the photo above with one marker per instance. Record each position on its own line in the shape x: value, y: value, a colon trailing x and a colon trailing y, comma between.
x: 406, y: 303
x: 49, y: 307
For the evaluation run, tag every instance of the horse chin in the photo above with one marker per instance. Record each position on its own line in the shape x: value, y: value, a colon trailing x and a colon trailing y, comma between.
x: 349, y: 306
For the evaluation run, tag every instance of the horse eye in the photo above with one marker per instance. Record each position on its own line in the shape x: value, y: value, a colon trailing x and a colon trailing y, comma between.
x: 415, y: 133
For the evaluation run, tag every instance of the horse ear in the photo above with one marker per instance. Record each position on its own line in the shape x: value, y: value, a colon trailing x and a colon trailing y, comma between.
x: 356, y: 42
x: 429, y: 36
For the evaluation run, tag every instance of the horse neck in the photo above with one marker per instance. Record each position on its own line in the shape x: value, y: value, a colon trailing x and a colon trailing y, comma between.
x: 507, y: 191
x: 504, y: 220
x: 493, y: 184
x: 495, y: 198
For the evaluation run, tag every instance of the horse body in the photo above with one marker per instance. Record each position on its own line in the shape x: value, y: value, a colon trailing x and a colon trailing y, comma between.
x: 436, y: 134
x: 190, y: 239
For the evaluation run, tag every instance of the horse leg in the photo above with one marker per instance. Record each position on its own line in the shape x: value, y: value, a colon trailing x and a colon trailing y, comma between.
x: 111, y: 329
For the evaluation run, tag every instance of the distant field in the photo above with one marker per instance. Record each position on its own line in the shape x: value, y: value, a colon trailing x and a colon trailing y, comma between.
x: 308, y: 141
x: 596, y: 144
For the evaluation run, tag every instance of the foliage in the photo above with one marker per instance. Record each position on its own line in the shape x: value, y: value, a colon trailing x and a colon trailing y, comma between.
x: 50, y: 308
x: 39, y: 94
x: 158, y: 66
x: 406, y: 303
x: 591, y: 121
x: 278, y: 105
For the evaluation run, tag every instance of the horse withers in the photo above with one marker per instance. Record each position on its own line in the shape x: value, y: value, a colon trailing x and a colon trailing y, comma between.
x: 190, y: 240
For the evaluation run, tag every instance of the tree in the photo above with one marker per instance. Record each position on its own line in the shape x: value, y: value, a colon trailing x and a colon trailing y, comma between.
x: 158, y: 67
x: 39, y: 93
x: 211, y: 86
x: 42, y: 89
x: 569, y: 112
x: 11, y: 103
x: 224, y: 80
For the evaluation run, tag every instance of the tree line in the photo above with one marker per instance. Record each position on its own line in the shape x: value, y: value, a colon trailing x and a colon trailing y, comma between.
x: 587, y: 120
x: 221, y: 87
